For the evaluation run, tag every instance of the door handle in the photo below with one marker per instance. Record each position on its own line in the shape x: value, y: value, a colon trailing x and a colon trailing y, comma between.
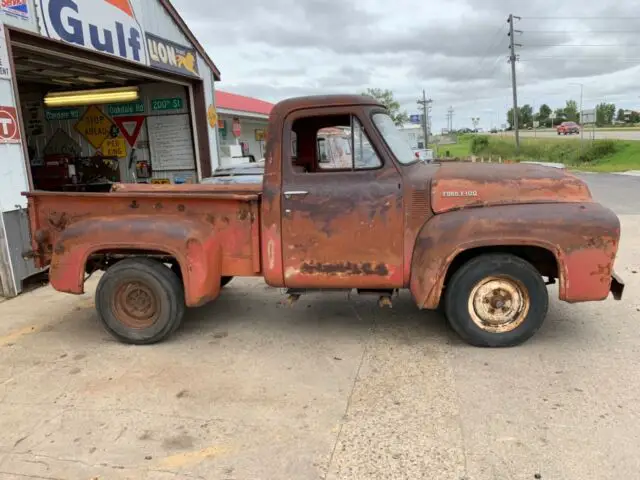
x: 295, y: 193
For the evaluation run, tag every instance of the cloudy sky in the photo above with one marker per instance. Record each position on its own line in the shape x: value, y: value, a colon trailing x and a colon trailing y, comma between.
x: 454, y: 49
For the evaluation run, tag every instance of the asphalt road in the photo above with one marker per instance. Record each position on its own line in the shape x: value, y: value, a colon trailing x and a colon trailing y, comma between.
x: 621, y: 193
x: 326, y: 389
x: 599, y: 134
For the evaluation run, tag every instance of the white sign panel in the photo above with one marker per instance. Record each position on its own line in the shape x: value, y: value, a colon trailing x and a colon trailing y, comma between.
x: 171, y: 143
x: 588, y: 116
x: 5, y: 65
x: 108, y: 26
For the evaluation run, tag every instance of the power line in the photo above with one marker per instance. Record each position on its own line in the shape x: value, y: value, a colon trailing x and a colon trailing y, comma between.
x: 582, y: 45
x: 635, y: 32
x: 578, y: 57
x: 580, y: 18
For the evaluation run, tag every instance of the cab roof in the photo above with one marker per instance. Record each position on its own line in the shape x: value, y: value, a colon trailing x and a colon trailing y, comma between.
x: 297, y: 103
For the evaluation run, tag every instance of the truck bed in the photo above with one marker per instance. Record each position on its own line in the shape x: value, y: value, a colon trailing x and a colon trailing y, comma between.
x: 213, y: 224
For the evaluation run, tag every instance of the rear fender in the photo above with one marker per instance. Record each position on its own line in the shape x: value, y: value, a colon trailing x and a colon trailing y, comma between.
x: 583, y: 237
x: 190, y: 242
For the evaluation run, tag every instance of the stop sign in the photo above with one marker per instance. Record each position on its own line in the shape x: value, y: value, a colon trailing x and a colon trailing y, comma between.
x: 9, y: 131
x: 236, y: 127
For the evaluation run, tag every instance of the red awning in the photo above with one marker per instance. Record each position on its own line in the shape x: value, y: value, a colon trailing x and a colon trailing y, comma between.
x: 232, y: 101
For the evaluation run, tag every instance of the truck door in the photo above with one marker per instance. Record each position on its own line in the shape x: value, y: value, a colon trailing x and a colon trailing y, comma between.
x: 342, y: 222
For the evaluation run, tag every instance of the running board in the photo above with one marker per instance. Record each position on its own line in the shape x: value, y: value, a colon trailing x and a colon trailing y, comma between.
x: 384, y: 296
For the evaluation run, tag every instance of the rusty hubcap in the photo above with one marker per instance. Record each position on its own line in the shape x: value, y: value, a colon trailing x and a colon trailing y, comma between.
x: 136, y: 305
x: 499, y: 304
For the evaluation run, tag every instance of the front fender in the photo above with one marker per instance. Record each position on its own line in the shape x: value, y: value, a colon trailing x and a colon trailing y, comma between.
x: 583, y: 237
x: 191, y: 242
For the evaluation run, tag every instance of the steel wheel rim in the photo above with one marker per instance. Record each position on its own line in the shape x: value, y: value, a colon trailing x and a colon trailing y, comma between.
x: 499, y: 304
x: 135, y: 305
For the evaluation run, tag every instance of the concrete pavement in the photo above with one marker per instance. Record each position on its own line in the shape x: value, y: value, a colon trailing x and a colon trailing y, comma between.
x: 327, y: 389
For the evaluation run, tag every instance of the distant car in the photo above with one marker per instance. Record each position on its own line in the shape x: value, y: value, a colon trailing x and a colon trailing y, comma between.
x: 568, y: 128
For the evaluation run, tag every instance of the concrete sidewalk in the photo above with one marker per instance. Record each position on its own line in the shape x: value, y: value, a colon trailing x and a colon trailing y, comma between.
x: 249, y: 389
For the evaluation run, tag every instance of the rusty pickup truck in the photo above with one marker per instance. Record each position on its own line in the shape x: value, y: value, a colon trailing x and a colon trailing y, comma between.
x: 481, y: 242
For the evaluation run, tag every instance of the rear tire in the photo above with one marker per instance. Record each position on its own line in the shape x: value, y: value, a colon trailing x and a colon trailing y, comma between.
x: 496, y: 300
x: 140, y: 301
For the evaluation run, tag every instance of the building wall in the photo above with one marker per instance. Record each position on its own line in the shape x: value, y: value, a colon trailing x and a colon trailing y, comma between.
x: 13, y: 181
x: 30, y: 23
x: 248, y: 134
x: 209, y: 93
x: 155, y: 19
x: 152, y: 18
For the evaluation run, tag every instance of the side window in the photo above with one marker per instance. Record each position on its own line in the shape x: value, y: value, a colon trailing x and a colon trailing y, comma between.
x: 345, y: 147
x: 365, y: 156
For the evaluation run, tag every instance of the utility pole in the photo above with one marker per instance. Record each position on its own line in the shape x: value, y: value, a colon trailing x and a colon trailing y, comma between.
x: 426, y: 106
x: 512, y: 59
x: 450, y: 119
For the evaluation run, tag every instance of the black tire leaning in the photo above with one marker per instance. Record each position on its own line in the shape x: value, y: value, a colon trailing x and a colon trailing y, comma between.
x: 162, y: 284
x: 461, y: 286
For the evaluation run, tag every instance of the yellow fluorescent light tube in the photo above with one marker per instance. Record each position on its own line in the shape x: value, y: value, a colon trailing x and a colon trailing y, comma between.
x: 87, y: 97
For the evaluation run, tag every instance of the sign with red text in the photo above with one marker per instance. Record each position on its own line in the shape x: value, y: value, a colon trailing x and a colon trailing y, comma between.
x: 9, y: 129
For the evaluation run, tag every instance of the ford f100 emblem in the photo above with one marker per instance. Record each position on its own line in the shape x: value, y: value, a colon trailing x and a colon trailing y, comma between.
x: 464, y: 193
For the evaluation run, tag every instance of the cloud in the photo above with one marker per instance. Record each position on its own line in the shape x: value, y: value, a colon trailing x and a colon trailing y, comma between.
x: 456, y: 50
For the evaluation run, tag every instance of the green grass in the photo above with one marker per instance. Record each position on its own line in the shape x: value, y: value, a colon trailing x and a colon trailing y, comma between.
x: 595, y: 156
x: 598, y: 155
x: 459, y: 150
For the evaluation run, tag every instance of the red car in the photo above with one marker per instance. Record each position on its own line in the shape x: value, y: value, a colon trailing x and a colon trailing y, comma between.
x: 567, y: 128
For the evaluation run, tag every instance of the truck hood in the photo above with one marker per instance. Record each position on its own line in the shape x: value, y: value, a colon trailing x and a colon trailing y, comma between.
x: 463, y: 185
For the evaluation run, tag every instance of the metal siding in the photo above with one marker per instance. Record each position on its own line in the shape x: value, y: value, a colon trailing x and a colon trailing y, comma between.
x: 7, y: 285
x: 17, y: 232
x: 209, y: 95
x: 155, y: 19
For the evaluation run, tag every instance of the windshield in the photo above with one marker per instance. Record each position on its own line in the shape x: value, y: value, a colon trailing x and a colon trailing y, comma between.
x: 395, y: 140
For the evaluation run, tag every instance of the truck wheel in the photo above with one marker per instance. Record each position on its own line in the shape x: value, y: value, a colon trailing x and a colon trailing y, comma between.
x: 496, y: 300
x: 224, y: 281
x: 140, y: 301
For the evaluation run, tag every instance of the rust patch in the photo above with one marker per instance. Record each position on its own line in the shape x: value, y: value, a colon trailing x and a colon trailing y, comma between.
x: 346, y: 268
x: 58, y: 220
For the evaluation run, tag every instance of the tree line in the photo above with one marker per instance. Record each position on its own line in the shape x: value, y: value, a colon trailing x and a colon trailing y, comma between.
x: 605, y: 115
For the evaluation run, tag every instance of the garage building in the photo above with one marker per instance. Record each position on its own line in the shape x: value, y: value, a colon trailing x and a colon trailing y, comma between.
x: 96, y: 92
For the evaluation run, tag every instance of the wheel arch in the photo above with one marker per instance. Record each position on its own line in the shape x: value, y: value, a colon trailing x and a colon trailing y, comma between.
x: 190, y: 243
x: 541, y: 256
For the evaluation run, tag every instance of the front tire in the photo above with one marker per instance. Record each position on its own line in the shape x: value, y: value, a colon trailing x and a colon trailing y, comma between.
x: 496, y: 300
x: 140, y: 301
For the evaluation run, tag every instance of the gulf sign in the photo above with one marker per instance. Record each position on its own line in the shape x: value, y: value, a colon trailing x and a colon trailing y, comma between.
x: 107, y: 26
